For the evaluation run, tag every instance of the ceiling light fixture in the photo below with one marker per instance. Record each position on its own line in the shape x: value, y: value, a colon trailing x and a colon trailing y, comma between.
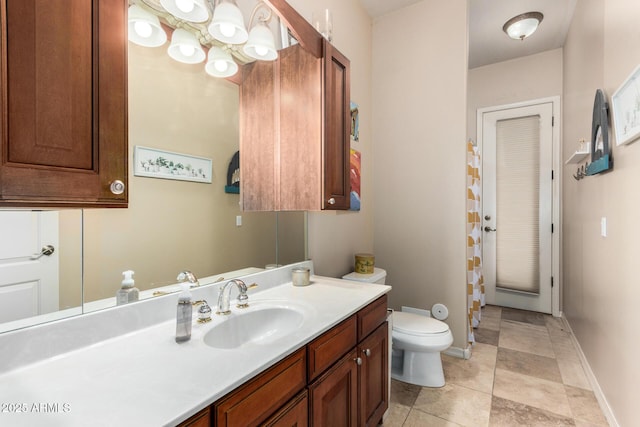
x: 185, y: 47
x: 189, y: 10
x: 227, y: 24
x: 144, y: 28
x: 220, y: 63
x: 522, y: 26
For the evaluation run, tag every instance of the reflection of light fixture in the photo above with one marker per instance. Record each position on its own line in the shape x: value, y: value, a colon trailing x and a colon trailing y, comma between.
x: 227, y: 24
x: 261, y: 44
x: 189, y: 10
x: 220, y: 63
x: 144, y: 28
x: 185, y: 47
x: 522, y: 26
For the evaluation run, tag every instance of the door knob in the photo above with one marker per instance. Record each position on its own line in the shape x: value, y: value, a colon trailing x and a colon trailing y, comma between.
x: 487, y: 228
x: 46, y: 251
x: 331, y: 201
x: 367, y: 352
x: 358, y: 361
x: 117, y: 187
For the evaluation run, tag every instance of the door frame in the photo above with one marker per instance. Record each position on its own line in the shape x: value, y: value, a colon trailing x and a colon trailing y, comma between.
x: 556, y: 183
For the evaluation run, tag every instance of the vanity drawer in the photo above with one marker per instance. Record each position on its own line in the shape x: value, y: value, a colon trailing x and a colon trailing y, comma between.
x: 372, y: 316
x: 331, y: 346
x: 258, y: 399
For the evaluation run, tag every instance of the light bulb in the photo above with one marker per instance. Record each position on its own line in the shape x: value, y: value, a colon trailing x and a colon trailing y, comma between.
x: 221, y: 66
x: 227, y: 30
x: 185, y: 6
x: 187, y: 49
x: 261, y: 50
x: 143, y: 29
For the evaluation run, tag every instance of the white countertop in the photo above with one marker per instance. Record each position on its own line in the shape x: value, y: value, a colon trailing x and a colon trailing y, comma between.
x: 145, y: 378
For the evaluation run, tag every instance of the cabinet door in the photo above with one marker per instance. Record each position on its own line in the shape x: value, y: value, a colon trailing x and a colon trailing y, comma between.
x: 64, y: 106
x: 258, y: 113
x: 293, y: 414
x: 374, y: 376
x: 337, y: 116
x: 334, y: 396
x: 201, y: 419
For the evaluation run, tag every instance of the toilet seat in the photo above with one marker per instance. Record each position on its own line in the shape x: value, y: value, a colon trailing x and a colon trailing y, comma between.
x: 417, y: 325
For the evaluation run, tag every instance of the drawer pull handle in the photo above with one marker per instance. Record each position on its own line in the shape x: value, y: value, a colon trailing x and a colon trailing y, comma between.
x: 332, y: 201
x: 367, y: 352
x: 358, y: 361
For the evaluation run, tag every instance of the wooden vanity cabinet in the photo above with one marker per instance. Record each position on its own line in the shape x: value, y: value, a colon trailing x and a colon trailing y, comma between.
x: 354, y: 391
x: 338, y: 379
x: 294, y: 131
x: 63, y: 108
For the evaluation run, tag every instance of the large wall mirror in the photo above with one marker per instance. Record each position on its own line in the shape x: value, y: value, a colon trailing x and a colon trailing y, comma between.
x: 170, y: 225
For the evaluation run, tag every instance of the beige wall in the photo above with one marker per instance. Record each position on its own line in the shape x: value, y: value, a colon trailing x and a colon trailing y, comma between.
x: 419, y: 128
x: 523, y: 79
x: 601, y: 290
x: 175, y: 225
x: 334, y: 237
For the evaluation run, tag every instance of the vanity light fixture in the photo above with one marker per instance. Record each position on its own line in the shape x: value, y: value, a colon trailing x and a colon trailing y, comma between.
x: 185, y: 47
x: 220, y: 63
x: 227, y: 24
x: 189, y: 10
x: 522, y: 26
x: 144, y: 28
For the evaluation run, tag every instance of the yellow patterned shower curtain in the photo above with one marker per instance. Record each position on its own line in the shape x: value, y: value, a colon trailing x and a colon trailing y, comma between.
x: 475, y: 280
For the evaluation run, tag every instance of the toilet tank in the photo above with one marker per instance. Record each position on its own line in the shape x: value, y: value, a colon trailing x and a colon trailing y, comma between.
x: 378, y: 276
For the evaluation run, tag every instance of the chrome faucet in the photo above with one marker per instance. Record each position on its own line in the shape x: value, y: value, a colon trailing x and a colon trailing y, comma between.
x: 187, y: 276
x: 224, y: 296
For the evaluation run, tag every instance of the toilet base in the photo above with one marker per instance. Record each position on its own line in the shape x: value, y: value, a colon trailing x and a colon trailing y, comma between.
x: 423, y: 369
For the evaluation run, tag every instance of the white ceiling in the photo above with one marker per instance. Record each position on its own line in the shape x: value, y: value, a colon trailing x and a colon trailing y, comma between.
x: 488, y: 44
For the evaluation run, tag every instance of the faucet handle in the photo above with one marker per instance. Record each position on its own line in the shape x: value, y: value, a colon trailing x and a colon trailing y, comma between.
x: 204, y: 312
x: 243, y: 299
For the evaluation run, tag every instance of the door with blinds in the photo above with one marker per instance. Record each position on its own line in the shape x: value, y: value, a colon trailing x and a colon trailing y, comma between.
x: 517, y: 152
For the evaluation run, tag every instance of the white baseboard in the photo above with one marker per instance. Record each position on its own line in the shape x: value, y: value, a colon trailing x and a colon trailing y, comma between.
x: 461, y: 353
x: 593, y: 381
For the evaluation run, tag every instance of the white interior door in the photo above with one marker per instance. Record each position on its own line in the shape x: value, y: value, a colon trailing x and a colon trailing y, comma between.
x: 28, y: 282
x: 517, y: 207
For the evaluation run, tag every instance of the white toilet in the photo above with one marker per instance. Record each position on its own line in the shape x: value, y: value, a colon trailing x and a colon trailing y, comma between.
x: 417, y: 341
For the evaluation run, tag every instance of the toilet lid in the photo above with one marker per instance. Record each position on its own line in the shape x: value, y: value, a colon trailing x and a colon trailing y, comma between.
x: 415, y: 324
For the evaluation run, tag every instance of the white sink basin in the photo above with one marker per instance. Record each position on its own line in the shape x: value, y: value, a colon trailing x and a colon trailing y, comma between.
x: 257, y: 325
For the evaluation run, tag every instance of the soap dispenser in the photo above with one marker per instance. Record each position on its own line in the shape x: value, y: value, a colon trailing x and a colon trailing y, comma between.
x: 127, y: 293
x: 184, y: 315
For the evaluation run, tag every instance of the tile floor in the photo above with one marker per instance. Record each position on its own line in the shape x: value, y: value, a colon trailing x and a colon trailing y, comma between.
x: 524, y: 371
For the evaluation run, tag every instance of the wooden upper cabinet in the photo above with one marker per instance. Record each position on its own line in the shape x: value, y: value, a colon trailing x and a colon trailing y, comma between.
x: 294, y: 131
x: 63, y: 111
x: 337, y: 126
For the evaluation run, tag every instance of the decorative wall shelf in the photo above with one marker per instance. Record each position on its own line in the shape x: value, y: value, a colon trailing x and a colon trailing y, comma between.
x: 577, y: 157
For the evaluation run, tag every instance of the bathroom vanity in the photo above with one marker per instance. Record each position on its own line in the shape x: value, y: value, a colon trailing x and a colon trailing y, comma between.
x: 331, y: 360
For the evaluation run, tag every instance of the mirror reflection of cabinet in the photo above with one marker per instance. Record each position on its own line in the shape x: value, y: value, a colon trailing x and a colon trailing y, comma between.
x: 299, y: 160
x: 64, y: 104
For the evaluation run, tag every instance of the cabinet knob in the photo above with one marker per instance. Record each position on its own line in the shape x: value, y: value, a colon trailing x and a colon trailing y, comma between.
x: 367, y: 352
x: 117, y: 187
x: 332, y: 201
x: 358, y: 361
